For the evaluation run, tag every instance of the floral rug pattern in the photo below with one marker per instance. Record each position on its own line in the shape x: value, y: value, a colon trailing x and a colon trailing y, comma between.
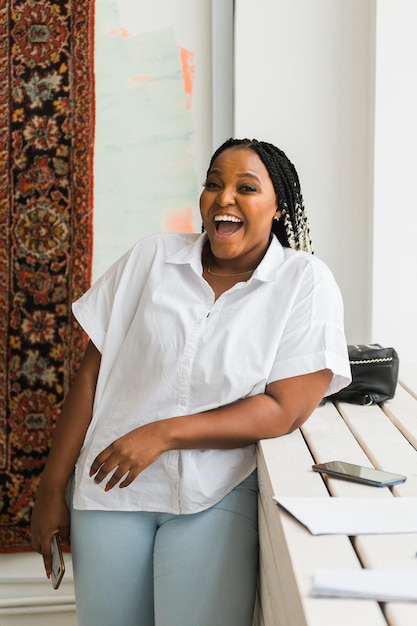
x: 46, y: 134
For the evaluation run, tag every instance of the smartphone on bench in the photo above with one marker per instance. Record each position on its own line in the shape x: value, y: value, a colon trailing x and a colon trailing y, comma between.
x: 359, y: 474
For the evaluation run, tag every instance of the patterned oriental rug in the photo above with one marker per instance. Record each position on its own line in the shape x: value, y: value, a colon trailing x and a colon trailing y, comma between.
x: 46, y: 139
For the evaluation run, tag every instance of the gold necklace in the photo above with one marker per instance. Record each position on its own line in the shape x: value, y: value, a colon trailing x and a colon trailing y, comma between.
x: 210, y: 271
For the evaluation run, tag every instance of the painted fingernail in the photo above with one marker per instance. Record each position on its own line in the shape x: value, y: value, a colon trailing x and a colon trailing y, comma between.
x: 48, y: 574
x: 107, y: 488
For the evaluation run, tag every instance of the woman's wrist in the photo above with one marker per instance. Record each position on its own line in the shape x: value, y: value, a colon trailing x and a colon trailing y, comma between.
x: 168, y: 432
x: 52, y: 485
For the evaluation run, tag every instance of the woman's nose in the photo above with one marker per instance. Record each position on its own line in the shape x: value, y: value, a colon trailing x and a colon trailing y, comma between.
x: 226, y: 197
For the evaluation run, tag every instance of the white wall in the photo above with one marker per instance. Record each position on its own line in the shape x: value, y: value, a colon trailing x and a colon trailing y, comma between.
x: 333, y: 83
x: 303, y: 77
x: 394, y: 310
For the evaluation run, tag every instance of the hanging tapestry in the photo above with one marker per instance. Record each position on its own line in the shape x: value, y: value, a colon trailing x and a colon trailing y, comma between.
x: 46, y: 138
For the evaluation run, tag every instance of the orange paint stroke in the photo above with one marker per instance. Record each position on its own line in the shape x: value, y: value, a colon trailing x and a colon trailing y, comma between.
x: 119, y: 32
x: 179, y: 221
x: 188, y: 70
x: 137, y: 80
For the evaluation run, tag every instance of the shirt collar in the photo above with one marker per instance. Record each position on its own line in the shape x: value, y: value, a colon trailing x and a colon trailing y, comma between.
x: 190, y: 254
x: 265, y: 272
x: 273, y: 259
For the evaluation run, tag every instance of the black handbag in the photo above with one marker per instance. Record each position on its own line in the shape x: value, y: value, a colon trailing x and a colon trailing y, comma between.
x: 374, y: 375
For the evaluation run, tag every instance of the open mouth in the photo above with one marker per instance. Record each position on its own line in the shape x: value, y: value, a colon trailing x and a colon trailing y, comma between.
x: 227, y: 224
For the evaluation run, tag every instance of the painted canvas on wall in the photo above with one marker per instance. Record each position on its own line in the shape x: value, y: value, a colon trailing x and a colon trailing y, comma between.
x: 153, y: 112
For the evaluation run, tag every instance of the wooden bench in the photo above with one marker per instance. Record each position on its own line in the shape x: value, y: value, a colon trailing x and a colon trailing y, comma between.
x: 382, y: 436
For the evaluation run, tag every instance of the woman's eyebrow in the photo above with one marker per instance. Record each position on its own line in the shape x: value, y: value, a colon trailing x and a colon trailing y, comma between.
x: 241, y: 175
x: 250, y: 175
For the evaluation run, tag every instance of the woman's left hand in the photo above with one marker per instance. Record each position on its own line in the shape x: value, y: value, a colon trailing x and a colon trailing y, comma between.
x: 285, y: 405
x: 128, y: 456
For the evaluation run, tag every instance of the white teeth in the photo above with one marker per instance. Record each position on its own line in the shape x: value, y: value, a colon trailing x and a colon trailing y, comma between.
x: 226, y: 218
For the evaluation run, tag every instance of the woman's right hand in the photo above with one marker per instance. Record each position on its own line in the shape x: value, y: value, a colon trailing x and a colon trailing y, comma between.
x: 50, y: 514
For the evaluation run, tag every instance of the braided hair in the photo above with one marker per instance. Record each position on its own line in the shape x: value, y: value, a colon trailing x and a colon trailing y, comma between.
x: 292, y: 230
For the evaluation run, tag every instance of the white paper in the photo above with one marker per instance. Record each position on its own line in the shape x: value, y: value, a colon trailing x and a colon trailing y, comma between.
x: 381, y: 585
x: 353, y: 516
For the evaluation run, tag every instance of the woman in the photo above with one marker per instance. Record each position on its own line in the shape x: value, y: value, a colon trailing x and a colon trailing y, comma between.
x: 200, y: 345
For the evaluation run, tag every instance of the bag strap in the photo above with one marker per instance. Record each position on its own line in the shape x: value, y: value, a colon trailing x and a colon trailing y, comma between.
x: 354, y: 398
x: 359, y: 398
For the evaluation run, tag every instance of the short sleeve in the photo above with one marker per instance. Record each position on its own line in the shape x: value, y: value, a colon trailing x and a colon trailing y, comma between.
x: 314, y: 337
x: 94, y: 309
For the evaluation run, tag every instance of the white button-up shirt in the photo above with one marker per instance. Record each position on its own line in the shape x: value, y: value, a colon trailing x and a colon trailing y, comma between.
x: 169, y: 348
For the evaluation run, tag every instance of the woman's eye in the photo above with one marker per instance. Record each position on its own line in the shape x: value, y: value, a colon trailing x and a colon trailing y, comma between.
x: 209, y: 184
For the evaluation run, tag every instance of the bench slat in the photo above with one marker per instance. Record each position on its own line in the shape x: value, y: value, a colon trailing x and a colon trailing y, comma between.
x: 402, y: 410
x: 383, y: 443
x: 293, y: 553
x: 330, y: 439
x: 408, y: 378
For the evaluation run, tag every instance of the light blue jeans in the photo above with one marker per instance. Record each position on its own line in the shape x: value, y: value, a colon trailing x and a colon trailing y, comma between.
x: 156, y: 569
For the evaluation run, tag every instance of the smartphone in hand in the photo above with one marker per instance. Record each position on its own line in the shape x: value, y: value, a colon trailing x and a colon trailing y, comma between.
x: 58, y: 564
x: 359, y: 474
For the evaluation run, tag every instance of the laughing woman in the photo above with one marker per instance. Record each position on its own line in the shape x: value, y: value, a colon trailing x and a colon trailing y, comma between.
x: 200, y: 346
